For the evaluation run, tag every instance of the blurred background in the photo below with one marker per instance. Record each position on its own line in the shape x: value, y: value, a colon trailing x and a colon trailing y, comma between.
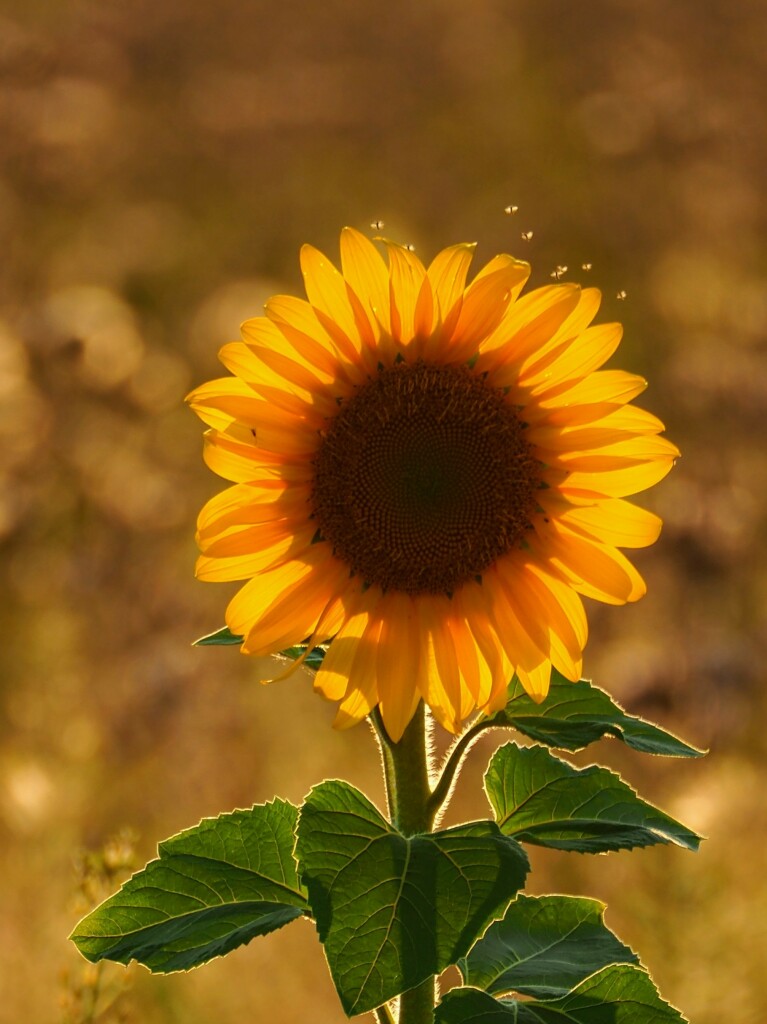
x: 161, y: 165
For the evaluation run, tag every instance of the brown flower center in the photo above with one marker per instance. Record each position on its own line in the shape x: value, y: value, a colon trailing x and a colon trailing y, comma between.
x: 424, y: 479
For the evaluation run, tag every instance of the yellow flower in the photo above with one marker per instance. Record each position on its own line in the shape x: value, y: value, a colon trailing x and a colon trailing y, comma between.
x: 431, y: 474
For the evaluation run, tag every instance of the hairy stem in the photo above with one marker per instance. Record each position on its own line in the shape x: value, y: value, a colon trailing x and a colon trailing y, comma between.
x: 387, y: 763
x: 409, y: 794
x: 449, y: 774
x: 384, y: 1014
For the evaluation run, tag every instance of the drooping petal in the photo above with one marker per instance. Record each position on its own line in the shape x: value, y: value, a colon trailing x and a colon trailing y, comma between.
x: 253, y: 601
x: 398, y: 662
x: 334, y: 677
x: 362, y: 693
x: 495, y: 668
x: 440, y: 679
x: 298, y: 609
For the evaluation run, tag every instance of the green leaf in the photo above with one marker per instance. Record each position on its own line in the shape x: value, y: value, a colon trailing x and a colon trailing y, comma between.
x: 544, y: 947
x: 576, y: 714
x: 222, y: 637
x: 312, y: 660
x: 619, y: 994
x: 214, y: 887
x: 225, y: 638
x: 537, y: 798
x: 390, y: 910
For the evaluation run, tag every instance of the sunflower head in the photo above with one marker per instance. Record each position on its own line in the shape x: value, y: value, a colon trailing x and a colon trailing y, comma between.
x: 428, y: 473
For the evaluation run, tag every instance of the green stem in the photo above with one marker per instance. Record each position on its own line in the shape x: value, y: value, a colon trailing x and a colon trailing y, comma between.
x: 409, y: 793
x: 383, y: 1015
x: 387, y: 763
x: 411, y: 786
x: 448, y: 776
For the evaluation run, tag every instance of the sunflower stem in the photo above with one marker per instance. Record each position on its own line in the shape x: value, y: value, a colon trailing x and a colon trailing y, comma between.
x: 410, y: 776
x: 409, y: 794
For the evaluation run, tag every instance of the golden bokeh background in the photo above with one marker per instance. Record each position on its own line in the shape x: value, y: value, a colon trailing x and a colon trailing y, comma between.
x: 161, y: 163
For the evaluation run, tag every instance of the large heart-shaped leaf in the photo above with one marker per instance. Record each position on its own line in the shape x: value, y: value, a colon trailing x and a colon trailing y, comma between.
x: 214, y: 887
x: 544, y: 946
x: 576, y: 714
x: 392, y: 910
x: 620, y: 994
x: 537, y: 798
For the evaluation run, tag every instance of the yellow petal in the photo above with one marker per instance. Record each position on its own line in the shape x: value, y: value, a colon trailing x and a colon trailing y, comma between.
x: 221, y: 403
x: 566, y: 598
x: 625, y: 451
x: 447, y: 277
x: 334, y: 677
x: 615, y: 387
x: 447, y: 274
x: 298, y: 322
x: 316, y: 401
x: 618, y: 483
x: 539, y: 362
x: 242, y: 462
x: 276, y: 545
x: 253, y: 601
x: 595, y: 570
x: 485, y: 302
x: 362, y: 694
x: 574, y: 359
x: 398, y: 662
x: 536, y: 680
x: 264, y: 506
x: 520, y: 647
x: 526, y: 336
x: 495, y: 667
x: 537, y: 604
x: 366, y: 272
x: 475, y: 677
x: 603, y: 431
x: 440, y: 679
x: 269, y: 344
x: 327, y: 293
x: 293, y: 615
x: 233, y: 500
x: 245, y: 539
x: 615, y: 522
x: 406, y: 277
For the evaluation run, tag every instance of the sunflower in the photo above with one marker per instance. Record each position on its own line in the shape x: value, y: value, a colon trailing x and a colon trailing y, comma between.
x: 428, y: 473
